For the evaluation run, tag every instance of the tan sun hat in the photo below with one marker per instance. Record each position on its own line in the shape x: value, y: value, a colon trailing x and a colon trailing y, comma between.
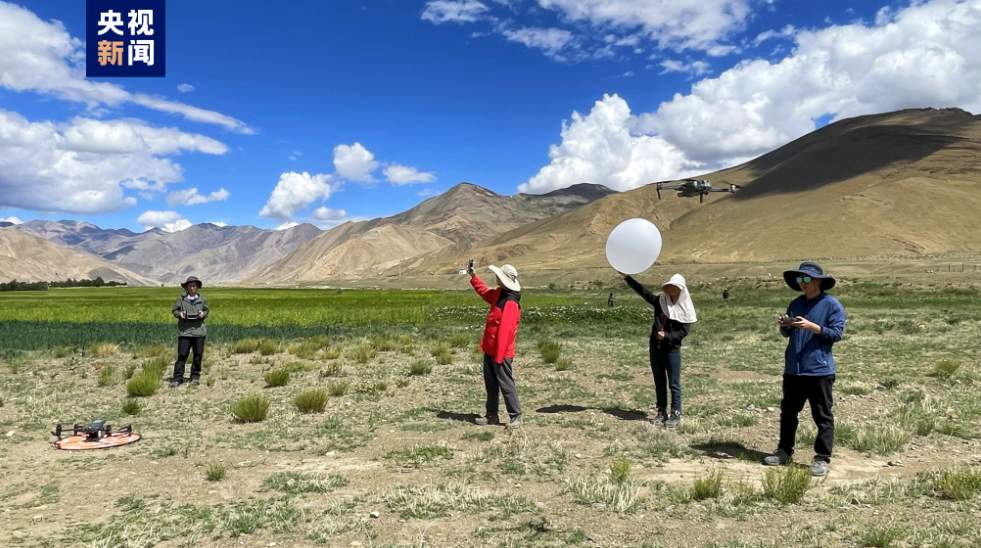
x: 508, y: 276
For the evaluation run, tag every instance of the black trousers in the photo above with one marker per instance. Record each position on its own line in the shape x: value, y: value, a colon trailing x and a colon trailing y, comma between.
x: 499, y: 377
x: 184, y: 347
x: 666, y: 366
x: 798, y: 389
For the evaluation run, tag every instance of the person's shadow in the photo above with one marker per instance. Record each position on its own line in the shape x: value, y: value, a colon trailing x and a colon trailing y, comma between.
x: 729, y: 448
x: 618, y: 412
x: 454, y: 416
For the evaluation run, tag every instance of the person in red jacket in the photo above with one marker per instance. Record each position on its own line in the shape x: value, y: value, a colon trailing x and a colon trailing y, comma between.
x: 500, y: 330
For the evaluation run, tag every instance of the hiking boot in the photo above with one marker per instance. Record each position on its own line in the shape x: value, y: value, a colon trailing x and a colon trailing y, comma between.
x: 486, y: 421
x: 514, y: 423
x: 195, y: 381
x: 660, y: 419
x: 777, y: 459
x: 674, y: 420
x: 820, y: 467
x: 175, y: 383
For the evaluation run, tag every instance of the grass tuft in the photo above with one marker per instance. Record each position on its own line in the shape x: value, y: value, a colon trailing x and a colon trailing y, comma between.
x: 956, y: 484
x: 945, y: 369
x: 104, y: 350
x: 550, y: 350
x: 420, y: 367
x: 131, y: 407
x: 338, y: 388
x: 294, y: 483
x: 277, y: 377
x: 786, y: 484
x: 107, y: 375
x: 245, y: 346
x: 215, y: 472
x: 708, y: 487
x: 313, y: 400
x: 253, y: 408
x: 143, y: 385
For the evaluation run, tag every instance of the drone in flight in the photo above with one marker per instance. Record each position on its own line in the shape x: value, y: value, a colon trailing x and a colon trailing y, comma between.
x: 689, y: 188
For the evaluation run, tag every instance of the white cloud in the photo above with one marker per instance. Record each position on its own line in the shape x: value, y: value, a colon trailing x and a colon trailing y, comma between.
x: 550, y: 40
x: 287, y: 225
x: 786, y: 32
x: 221, y: 224
x: 600, y: 148
x: 295, y: 191
x: 329, y: 214
x: 923, y: 55
x: 676, y: 25
x: 11, y: 220
x: 453, y: 11
x: 185, y: 88
x: 129, y: 136
x: 698, y: 68
x: 168, y: 221
x: 191, y: 196
x: 84, y: 165
x: 295, y: 155
x: 52, y: 63
x: 354, y: 162
x: 399, y: 174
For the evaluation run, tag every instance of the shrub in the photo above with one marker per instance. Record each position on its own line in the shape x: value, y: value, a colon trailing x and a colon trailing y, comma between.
x: 550, y: 351
x: 106, y: 375
x: 444, y: 358
x: 787, y: 484
x: 215, y: 472
x: 460, y: 340
x: 338, y: 388
x: 267, y: 348
x: 143, y: 385
x: 620, y: 471
x: 131, y: 407
x: 313, y: 400
x: 330, y: 370
x: 363, y: 353
x: 945, y: 369
x: 956, y: 484
x: 709, y: 487
x: 104, y: 350
x: 277, y: 377
x: 420, y: 367
x: 245, y: 346
x: 882, y: 536
x: 303, y: 482
x: 253, y: 408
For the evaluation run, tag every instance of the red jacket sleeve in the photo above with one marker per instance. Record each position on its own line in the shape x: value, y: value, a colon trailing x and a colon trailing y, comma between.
x: 489, y: 295
x: 507, y: 331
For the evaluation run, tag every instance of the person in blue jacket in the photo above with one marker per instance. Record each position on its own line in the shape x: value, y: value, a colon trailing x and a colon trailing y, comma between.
x: 814, y: 322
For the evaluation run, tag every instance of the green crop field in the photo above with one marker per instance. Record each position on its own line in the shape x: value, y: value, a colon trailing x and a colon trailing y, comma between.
x: 343, y: 417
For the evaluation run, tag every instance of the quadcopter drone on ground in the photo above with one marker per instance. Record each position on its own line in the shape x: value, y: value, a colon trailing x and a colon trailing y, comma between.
x: 689, y: 188
x: 98, y: 434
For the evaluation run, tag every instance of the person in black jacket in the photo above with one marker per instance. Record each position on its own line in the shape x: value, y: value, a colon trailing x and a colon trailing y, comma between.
x: 674, y: 313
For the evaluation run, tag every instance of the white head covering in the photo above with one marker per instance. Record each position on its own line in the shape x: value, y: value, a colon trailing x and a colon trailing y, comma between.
x: 508, y: 276
x: 683, y: 310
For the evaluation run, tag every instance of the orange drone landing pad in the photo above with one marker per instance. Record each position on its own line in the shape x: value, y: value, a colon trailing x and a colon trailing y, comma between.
x: 78, y: 443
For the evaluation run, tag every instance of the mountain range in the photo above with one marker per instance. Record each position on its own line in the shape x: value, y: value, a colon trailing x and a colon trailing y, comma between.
x: 904, y: 183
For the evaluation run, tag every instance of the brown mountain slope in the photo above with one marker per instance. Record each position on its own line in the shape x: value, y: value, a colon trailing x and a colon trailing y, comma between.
x: 452, y: 222
x: 29, y: 258
x: 900, y: 183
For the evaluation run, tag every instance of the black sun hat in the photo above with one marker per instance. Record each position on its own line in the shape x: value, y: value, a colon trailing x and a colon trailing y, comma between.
x: 814, y: 270
x: 192, y: 279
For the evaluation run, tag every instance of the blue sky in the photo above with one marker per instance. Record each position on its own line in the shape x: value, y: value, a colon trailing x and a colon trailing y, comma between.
x: 474, y: 90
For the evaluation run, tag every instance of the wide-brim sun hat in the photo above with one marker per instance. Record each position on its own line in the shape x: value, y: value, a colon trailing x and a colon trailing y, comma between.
x: 812, y: 269
x: 508, y: 276
x: 192, y: 279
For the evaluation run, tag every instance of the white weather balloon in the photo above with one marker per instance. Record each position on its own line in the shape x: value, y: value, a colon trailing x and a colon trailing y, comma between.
x: 633, y: 246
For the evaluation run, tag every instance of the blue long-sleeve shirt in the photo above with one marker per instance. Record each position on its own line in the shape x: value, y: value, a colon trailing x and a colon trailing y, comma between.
x: 807, y: 353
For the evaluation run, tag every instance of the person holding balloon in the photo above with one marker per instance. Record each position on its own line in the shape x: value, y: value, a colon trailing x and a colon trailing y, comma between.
x: 632, y: 248
x: 674, y: 313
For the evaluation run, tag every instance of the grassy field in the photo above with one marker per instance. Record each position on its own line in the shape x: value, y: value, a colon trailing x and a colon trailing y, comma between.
x: 341, y: 418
